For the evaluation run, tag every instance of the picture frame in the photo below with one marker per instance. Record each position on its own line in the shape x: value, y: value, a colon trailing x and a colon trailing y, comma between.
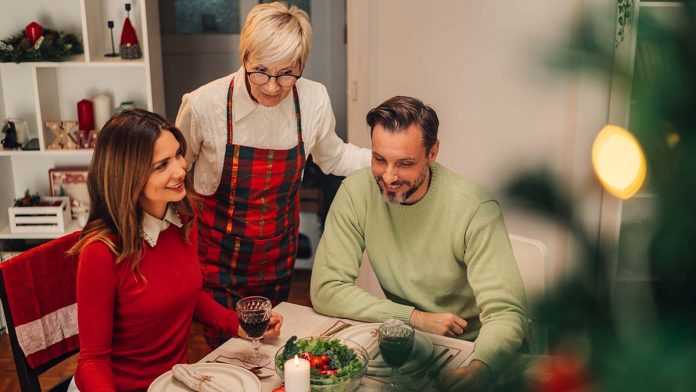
x: 71, y: 182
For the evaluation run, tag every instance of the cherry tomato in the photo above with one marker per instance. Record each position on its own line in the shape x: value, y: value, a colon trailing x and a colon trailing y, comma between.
x: 306, y: 355
x: 279, y: 389
x: 315, y: 362
x: 328, y: 372
x: 325, y: 359
x: 325, y: 367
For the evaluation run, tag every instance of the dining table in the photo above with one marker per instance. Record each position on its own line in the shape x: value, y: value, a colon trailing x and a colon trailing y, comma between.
x: 302, y: 321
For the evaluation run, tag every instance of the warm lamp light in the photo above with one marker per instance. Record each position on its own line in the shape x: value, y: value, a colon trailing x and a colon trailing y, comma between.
x: 618, y: 161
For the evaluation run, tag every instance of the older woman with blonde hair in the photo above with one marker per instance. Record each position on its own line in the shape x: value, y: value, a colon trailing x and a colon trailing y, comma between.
x: 249, y: 134
x: 138, y: 279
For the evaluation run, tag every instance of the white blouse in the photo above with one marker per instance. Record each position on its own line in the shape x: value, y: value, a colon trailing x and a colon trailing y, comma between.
x: 203, y: 120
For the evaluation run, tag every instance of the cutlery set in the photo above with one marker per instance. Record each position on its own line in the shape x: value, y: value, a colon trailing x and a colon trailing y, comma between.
x: 256, y: 370
x: 336, y: 328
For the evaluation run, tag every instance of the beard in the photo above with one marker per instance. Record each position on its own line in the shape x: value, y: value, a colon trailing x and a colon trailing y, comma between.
x: 411, y: 187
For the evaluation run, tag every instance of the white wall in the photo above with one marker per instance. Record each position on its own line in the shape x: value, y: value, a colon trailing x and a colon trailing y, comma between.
x: 482, y: 64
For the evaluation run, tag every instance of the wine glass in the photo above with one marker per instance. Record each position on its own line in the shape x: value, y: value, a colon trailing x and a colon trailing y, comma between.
x: 254, y: 316
x: 395, y: 344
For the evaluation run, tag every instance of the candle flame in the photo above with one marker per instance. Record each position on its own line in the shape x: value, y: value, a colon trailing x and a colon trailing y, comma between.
x: 297, y: 363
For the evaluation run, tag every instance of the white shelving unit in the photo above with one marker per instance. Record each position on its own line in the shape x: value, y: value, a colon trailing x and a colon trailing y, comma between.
x: 42, y: 91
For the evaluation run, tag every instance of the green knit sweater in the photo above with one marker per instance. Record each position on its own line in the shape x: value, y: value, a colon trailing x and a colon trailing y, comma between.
x: 449, y: 252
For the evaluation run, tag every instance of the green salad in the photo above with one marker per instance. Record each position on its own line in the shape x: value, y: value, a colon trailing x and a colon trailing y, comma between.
x: 329, y: 359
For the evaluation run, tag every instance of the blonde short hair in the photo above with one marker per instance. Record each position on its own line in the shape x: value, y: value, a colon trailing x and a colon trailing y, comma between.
x: 275, y: 33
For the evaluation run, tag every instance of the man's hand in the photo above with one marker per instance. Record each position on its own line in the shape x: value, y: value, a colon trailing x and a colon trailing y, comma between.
x: 446, y: 324
x: 476, y: 377
x: 273, y: 327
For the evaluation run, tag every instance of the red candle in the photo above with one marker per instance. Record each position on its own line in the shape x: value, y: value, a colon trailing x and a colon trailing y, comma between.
x: 85, y: 115
x: 34, y: 32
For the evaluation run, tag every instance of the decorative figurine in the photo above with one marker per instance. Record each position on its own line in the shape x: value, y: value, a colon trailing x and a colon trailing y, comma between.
x: 10, y: 141
x: 130, y: 48
x: 110, y: 25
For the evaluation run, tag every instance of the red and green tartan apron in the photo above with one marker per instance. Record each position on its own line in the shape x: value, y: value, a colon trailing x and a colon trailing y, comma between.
x: 248, y: 228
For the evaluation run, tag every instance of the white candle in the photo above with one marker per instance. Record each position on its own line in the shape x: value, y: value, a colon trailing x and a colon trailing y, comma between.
x: 297, y: 375
x: 102, y: 110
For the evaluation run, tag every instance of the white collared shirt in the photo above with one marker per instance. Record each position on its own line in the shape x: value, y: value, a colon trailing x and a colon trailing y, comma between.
x: 203, y: 120
x: 152, y: 227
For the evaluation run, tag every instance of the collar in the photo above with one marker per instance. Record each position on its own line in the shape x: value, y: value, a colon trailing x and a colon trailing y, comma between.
x: 243, y: 104
x: 152, y: 227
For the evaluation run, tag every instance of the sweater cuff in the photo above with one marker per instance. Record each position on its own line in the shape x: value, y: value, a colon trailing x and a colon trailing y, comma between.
x: 400, y: 312
x: 494, y: 359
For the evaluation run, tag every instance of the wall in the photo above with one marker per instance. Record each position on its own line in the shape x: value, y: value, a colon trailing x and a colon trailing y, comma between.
x: 483, y: 66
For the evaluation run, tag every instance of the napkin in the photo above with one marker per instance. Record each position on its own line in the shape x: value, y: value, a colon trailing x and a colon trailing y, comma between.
x: 195, y: 380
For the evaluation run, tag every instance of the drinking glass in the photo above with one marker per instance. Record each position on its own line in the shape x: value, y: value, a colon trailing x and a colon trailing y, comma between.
x: 254, y: 316
x: 395, y: 344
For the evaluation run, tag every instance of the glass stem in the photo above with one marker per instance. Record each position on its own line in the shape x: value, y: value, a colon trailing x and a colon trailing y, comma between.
x: 257, y: 345
x: 395, y: 375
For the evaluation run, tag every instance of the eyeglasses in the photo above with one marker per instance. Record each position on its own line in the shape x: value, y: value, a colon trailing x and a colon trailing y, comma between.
x: 260, y: 78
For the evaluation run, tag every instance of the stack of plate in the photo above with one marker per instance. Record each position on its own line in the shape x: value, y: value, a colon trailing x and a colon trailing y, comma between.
x: 366, y: 336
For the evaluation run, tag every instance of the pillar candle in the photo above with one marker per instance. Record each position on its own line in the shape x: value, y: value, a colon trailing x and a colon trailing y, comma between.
x: 34, y: 32
x: 85, y: 115
x: 297, y: 375
x: 102, y: 110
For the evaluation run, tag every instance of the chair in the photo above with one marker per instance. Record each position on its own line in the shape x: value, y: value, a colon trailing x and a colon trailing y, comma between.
x: 531, y: 258
x: 367, y: 280
x: 38, y: 293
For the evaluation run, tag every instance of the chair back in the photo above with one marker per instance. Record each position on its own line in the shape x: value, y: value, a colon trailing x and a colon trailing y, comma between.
x: 38, y: 293
x: 531, y: 258
x: 367, y: 280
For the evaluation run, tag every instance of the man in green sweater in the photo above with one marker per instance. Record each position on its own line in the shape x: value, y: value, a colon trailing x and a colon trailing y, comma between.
x: 436, y: 241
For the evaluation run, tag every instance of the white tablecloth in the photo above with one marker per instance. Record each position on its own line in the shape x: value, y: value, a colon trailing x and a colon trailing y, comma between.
x: 302, y: 321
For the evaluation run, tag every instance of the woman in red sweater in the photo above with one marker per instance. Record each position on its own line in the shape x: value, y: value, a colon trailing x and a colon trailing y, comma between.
x: 139, y: 280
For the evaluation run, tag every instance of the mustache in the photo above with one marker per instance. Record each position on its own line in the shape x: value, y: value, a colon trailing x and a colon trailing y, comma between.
x: 395, y: 183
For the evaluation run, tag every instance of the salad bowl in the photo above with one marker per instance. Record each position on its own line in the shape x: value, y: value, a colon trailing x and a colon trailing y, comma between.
x: 336, y: 365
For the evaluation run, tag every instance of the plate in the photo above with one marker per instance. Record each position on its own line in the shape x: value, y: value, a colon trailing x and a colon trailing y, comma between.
x: 232, y: 377
x: 362, y: 334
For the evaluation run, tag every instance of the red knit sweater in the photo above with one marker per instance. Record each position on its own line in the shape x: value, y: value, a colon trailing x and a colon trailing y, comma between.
x: 133, y: 331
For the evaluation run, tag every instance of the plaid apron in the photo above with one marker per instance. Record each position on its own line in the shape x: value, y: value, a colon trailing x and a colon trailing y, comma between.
x: 247, y: 231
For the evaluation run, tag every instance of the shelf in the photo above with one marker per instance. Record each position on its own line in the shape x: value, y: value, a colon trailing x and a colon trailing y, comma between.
x: 6, y: 234
x: 79, y: 61
x: 80, y: 152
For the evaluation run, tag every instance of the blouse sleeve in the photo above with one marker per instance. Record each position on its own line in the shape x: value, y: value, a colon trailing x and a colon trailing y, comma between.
x: 186, y: 122
x: 96, y: 291
x: 330, y: 153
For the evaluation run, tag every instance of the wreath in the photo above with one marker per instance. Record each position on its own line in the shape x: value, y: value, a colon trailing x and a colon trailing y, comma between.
x: 52, y: 46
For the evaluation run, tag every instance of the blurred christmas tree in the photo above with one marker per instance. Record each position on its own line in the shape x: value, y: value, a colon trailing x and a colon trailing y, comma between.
x: 662, y: 356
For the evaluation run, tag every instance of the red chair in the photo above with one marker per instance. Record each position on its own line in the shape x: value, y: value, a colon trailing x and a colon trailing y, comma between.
x: 38, y: 293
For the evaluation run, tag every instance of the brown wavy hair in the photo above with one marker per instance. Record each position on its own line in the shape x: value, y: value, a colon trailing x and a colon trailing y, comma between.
x: 118, y: 173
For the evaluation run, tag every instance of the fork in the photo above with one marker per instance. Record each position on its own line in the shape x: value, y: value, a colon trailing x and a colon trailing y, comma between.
x: 256, y: 370
x: 434, y: 372
x: 335, y: 330
x: 431, y: 363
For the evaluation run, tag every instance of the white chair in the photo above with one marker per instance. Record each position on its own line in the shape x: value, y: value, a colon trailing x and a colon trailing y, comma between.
x: 531, y: 258
x: 367, y: 280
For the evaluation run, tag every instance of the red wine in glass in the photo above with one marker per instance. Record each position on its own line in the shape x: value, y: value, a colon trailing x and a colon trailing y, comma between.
x: 395, y: 350
x: 395, y: 344
x: 255, y: 325
x: 254, y: 316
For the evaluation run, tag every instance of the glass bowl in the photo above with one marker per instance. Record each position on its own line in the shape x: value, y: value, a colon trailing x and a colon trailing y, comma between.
x: 346, y: 383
